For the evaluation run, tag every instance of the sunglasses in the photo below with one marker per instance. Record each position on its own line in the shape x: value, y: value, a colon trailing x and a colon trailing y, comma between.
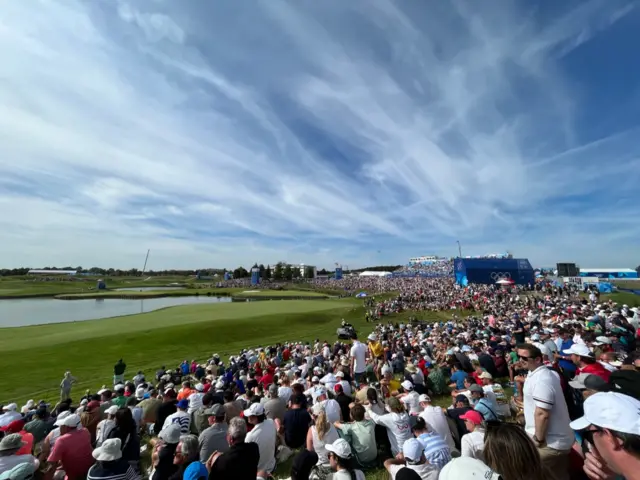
x: 522, y: 357
x: 588, y: 434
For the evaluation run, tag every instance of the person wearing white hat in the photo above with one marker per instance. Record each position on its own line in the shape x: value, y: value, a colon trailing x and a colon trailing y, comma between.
x: 110, y: 464
x: 434, y: 417
x: 72, y: 451
x: 29, y: 406
x: 583, y: 357
x: 412, y: 458
x: 264, y: 434
x: 105, y: 426
x: 10, y: 414
x: 611, y: 424
x: 340, y: 460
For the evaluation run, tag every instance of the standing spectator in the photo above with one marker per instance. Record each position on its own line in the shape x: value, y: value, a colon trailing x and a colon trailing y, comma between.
x: 65, y: 386
x: 296, y: 422
x: 264, y: 434
x: 546, y: 413
x: 358, y: 355
x: 110, y: 465
x: 72, y: 452
x: 118, y: 372
x: 472, y: 444
x: 240, y: 462
x: 214, y: 438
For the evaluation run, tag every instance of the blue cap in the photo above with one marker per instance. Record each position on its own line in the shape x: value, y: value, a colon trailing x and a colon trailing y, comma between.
x: 183, y: 404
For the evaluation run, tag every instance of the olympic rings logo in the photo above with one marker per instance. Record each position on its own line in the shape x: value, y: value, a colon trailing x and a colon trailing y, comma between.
x: 500, y: 276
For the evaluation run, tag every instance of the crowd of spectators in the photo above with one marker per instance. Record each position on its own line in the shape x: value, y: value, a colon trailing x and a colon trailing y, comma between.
x: 518, y: 384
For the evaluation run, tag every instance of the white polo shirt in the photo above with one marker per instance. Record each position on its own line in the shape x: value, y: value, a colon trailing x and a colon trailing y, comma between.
x: 359, y: 352
x: 542, y: 389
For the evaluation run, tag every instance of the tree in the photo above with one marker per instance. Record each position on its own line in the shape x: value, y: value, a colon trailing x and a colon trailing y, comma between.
x: 240, y: 272
x: 295, y: 272
x: 278, y: 271
x: 267, y: 273
x: 262, y: 269
x: 287, y: 272
x: 308, y: 272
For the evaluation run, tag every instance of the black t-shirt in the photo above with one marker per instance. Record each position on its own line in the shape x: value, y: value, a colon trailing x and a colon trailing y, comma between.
x: 344, y: 401
x: 164, y: 410
x: 487, y: 363
x: 251, y: 384
x: 239, y: 463
x: 296, y: 425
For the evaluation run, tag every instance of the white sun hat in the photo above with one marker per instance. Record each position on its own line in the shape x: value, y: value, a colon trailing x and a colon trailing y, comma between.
x: 109, y: 451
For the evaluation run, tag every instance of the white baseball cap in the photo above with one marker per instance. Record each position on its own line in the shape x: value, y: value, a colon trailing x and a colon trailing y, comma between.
x: 60, y: 418
x: 407, y: 385
x: 611, y: 410
x: 72, y: 421
x: 340, y: 374
x: 254, y: 410
x: 424, y: 398
x: 340, y: 447
x: 12, y: 407
x: 112, y: 410
x: 602, y: 341
x: 412, y: 449
x: 579, y: 349
x: 372, y: 337
x: 467, y: 468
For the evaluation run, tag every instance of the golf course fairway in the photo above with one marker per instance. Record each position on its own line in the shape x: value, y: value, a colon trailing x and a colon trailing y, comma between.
x: 35, y: 358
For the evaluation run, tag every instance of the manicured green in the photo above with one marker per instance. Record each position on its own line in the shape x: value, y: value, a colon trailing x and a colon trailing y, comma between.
x: 248, y: 292
x: 623, y: 298
x: 34, y: 358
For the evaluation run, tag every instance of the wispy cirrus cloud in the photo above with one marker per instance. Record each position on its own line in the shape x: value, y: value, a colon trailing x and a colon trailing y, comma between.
x: 361, y: 132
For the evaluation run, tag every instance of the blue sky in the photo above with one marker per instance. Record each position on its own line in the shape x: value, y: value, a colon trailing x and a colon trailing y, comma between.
x: 219, y: 133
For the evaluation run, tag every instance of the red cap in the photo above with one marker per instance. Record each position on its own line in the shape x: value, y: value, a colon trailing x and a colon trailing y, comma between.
x: 14, y: 427
x: 473, y: 416
x: 337, y: 388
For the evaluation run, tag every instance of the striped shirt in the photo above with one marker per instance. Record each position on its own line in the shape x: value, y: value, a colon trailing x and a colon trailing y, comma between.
x: 182, y: 418
x: 115, y: 470
x: 436, y: 450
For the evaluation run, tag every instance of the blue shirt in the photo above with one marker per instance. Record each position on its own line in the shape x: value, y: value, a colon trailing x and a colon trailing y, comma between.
x: 459, y: 377
x: 195, y: 471
x: 484, y: 408
x: 436, y: 450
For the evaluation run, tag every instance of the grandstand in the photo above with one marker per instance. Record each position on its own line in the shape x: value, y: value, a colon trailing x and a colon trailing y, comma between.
x: 608, y: 272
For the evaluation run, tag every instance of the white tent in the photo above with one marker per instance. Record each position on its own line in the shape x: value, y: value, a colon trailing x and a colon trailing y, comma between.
x: 368, y: 273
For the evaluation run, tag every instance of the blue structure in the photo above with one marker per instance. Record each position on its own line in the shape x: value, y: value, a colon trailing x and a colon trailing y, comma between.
x: 227, y: 276
x: 255, y: 276
x: 101, y: 285
x: 488, y: 271
x: 338, y: 275
x: 608, y: 273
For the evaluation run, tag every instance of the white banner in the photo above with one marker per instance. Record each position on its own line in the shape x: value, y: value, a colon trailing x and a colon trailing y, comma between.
x: 580, y: 280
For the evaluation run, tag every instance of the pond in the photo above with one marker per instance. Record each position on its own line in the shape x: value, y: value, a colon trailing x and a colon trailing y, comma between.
x: 37, y: 311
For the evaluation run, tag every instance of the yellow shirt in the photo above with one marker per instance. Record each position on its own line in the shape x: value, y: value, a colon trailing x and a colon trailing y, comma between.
x: 376, y: 349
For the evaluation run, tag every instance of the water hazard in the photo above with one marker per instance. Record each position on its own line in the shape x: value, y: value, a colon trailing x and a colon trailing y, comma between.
x: 37, y: 311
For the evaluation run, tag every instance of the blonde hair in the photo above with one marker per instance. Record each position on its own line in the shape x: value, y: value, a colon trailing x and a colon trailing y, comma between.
x: 322, y: 425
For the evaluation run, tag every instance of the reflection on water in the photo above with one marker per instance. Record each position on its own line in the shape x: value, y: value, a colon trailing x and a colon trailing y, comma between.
x: 36, y: 311
x: 146, y: 289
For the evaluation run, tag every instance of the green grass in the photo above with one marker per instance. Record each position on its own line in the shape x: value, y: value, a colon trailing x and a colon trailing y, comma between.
x: 247, y: 292
x: 622, y: 298
x: 34, y: 358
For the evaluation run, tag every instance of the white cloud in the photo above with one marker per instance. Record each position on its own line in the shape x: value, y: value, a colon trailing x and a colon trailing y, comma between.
x: 216, y: 135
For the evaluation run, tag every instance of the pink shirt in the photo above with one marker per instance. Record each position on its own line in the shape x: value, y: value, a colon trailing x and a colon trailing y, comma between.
x: 74, y: 451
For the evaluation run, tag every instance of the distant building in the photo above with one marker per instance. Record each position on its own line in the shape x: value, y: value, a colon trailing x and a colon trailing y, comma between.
x: 608, y: 272
x: 52, y: 272
x: 303, y: 268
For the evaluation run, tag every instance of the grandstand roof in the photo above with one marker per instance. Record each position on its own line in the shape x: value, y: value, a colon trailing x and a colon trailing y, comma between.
x: 368, y: 273
x: 606, y: 270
